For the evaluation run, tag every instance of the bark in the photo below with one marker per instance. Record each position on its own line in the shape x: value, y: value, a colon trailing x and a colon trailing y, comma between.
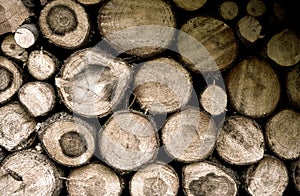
x: 249, y: 29
x: 228, y: 10
x: 189, y: 135
x: 38, y: 98
x: 91, y: 83
x: 128, y: 141
x: 26, y: 35
x: 68, y: 140
x: 190, y: 5
x: 256, y: 8
x: 10, y: 48
x: 155, y: 179
x: 253, y: 87
x: 93, y: 179
x: 162, y: 86
x: 29, y: 173
x: 65, y: 23
x: 292, y: 85
x: 206, y: 33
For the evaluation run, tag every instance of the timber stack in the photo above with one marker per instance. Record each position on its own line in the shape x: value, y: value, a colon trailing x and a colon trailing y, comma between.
x: 139, y: 97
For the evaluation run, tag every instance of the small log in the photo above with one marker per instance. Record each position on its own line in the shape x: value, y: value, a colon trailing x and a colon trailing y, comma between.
x: 93, y: 179
x: 256, y: 8
x: 12, y: 15
x: 214, y: 100
x: 91, y: 83
x: 149, y: 25
x: 10, y: 80
x: 292, y: 85
x: 206, y: 178
x: 42, y: 64
x: 190, y: 5
x: 253, y: 87
x: 26, y: 35
x: 162, y: 86
x: 284, y: 47
x: 29, y: 173
x: 10, y: 48
x: 155, y: 179
x: 65, y: 23
x: 89, y: 2
x: 16, y: 127
x: 241, y: 141
x: 128, y: 141
x: 228, y: 10
x: 283, y: 135
x: 67, y: 139
x: 249, y: 29
x: 267, y: 177
x: 207, y: 44
x: 189, y: 135
x: 37, y: 97
x: 296, y: 174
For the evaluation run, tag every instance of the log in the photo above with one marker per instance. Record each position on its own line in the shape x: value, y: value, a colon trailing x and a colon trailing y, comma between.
x: 89, y: 2
x: 92, y: 83
x: 228, y: 10
x: 283, y: 48
x: 149, y: 25
x: 282, y: 134
x: 189, y: 135
x: 292, y: 85
x: 16, y: 127
x: 10, y: 48
x: 241, y: 141
x: 93, y: 179
x: 214, y: 99
x: 253, y: 87
x: 128, y: 141
x: 30, y: 173
x: 190, y: 5
x: 256, y: 8
x: 26, y: 35
x: 205, y: 178
x: 155, y: 179
x: 206, y: 44
x: 296, y: 174
x: 37, y: 97
x: 267, y: 177
x: 67, y: 139
x: 162, y: 85
x: 65, y: 23
x: 249, y: 29
x: 42, y: 64
x: 10, y: 80
x: 12, y: 15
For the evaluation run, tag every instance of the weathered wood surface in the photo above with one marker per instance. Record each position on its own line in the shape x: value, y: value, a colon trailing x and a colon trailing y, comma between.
x: 10, y: 48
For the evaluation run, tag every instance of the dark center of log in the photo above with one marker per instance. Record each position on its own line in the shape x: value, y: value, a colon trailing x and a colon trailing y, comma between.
x: 72, y: 144
x: 6, y: 78
x: 62, y: 20
x: 155, y: 187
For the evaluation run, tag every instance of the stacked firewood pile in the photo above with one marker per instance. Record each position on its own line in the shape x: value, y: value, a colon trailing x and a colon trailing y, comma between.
x: 140, y: 97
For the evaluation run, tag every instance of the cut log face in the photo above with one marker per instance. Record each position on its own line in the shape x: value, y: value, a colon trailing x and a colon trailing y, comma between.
x: 162, y: 85
x: 93, y: 179
x: 26, y: 35
x: 283, y: 134
x: 92, y: 83
x: 268, y: 177
x: 292, y: 85
x: 256, y: 8
x: 241, y: 141
x: 190, y: 5
x: 67, y: 139
x: 65, y: 23
x: 296, y: 174
x: 253, y: 87
x: 29, y: 173
x: 207, y: 179
x: 189, y: 135
x: 16, y: 127
x: 249, y: 29
x: 128, y: 140
x: 229, y: 10
x: 10, y: 80
x: 155, y: 179
x: 149, y: 25
x: 37, y: 97
x: 284, y: 47
x: 42, y: 64
x: 10, y: 48
x: 207, y: 44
